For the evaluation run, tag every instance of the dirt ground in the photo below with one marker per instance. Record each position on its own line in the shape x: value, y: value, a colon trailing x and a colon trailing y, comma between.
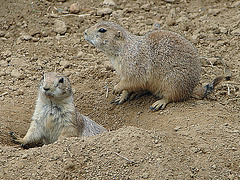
x: 195, y: 139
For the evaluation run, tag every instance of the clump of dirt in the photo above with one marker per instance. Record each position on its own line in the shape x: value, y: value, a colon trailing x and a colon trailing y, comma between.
x: 192, y: 139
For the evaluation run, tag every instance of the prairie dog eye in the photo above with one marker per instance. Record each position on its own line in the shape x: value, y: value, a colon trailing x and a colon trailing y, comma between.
x: 60, y: 80
x: 102, y: 30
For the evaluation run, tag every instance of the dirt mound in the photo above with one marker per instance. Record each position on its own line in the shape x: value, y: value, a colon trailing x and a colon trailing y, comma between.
x: 192, y: 139
x: 128, y: 153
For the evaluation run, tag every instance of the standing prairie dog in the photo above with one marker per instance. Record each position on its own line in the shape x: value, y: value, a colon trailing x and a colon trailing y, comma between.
x: 161, y: 62
x: 55, y: 114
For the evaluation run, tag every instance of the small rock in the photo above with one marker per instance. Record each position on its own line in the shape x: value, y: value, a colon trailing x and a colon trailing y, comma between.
x: 109, y: 2
x: 169, y: 1
x: 25, y: 156
x: 214, y: 12
x: 3, y: 39
x: 214, y: 166
x: 146, y: 7
x: 236, y: 32
x: 3, y: 63
x: 69, y: 166
x: 195, y: 36
x: 216, y: 61
x: 20, y: 92
x: 2, y: 33
x: 67, y: 72
x: 64, y: 63
x: 6, y: 54
x: 145, y: 175
x: 80, y: 54
x: 2, y: 73
x: 223, y: 30
x: 104, y: 11
x: 157, y: 26
x: 26, y: 37
x: 117, y: 14
x: 18, y: 41
x: 149, y: 22
x: 15, y: 73
x: 235, y: 4
x: 8, y: 35
x: 53, y: 15
x: 170, y: 22
x: 34, y: 39
x: 17, y: 61
x: 177, y: 128
x: 182, y: 19
x: 74, y: 8
x: 60, y: 27
x: 205, y: 62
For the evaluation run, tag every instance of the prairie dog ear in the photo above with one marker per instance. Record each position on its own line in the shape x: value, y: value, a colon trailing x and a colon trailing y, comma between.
x: 119, y: 35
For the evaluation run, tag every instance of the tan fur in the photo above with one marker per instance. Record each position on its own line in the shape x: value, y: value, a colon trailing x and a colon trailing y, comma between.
x: 162, y: 62
x: 55, y: 115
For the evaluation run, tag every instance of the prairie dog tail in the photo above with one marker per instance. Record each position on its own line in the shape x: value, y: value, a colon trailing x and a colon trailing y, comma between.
x: 91, y: 128
x: 201, y: 92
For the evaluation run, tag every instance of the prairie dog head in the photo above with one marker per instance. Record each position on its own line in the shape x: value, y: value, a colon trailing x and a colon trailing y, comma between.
x: 55, y: 85
x: 106, y: 36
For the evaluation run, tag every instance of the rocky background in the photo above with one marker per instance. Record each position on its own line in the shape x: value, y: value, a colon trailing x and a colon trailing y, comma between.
x: 195, y: 139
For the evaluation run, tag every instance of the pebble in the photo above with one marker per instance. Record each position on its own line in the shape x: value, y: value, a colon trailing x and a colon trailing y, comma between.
x: 214, y: 12
x: 214, y: 166
x: 26, y: 37
x: 8, y: 35
x: 235, y: 4
x: 3, y: 39
x: 236, y: 32
x: 64, y: 63
x: 157, y: 25
x: 146, y: 7
x: 34, y: 39
x: 15, y: 73
x: 25, y: 156
x: 177, y: 128
x: 6, y: 54
x: 2, y: 33
x: 74, y: 8
x: 109, y: 2
x: 145, y: 175
x: 17, y: 61
x: 223, y: 30
x: 170, y: 1
x: 104, y: 11
x: 60, y: 27
x: 3, y: 63
x: 80, y: 54
x: 117, y: 14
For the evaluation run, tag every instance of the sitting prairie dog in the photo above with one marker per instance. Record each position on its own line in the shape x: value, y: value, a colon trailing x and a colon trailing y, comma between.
x: 161, y: 62
x: 55, y: 114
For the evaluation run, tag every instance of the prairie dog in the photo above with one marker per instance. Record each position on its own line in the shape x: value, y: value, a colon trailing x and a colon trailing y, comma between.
x: 55, y: 114
x: 161, y: 62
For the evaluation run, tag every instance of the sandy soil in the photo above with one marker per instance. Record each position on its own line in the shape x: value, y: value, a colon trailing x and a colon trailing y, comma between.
x: 195, y: 139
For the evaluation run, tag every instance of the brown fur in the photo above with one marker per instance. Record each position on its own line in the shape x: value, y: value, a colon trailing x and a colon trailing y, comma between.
x: 162, y: 62
x: 55, y: 115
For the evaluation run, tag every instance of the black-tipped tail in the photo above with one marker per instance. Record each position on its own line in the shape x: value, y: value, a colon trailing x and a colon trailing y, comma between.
x: 210, y: 87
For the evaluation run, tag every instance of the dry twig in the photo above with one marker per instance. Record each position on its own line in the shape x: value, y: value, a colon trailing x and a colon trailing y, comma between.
x: 124, y: 157
x: 3, y: 94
